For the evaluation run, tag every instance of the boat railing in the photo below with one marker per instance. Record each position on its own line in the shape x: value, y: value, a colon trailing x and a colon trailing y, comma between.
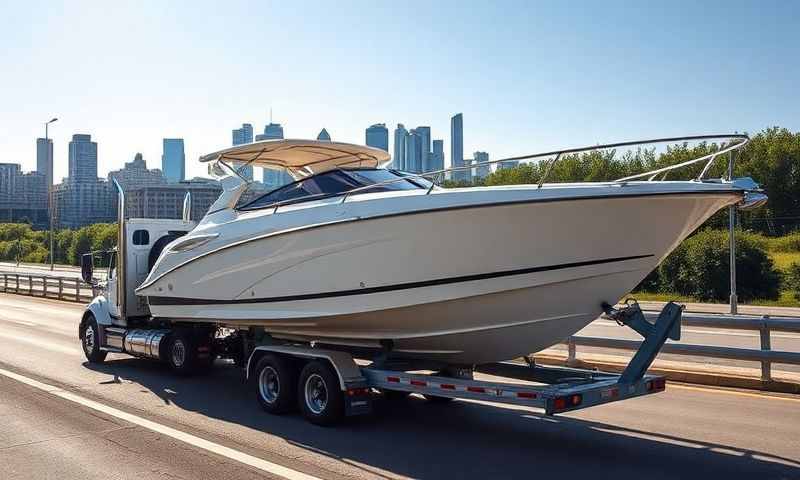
x: 731, y: 143
x: 736, y: 141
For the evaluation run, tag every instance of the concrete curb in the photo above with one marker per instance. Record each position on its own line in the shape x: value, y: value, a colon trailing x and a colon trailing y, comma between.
x: 715, y: 376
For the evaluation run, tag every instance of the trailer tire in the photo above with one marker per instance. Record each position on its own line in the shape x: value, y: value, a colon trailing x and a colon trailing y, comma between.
x: 90, y: 340
x: 395, y: 395
x: 181, y: 353
x: 319, y: 395
x: 275, y: 381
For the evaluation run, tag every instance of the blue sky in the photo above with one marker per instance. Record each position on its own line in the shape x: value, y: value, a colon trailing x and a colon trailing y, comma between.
x: 528, y: 76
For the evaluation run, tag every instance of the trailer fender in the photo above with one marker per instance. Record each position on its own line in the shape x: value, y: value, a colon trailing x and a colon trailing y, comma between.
x: 343, y: 364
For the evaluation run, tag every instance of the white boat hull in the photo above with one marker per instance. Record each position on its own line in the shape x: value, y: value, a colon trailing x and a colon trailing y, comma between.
x: 477, y: 283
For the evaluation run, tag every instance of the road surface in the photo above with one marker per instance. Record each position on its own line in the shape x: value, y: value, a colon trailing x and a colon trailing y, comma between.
x: 129, y: 418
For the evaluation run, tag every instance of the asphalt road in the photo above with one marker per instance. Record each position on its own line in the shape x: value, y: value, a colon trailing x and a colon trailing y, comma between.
x: 684, y: 432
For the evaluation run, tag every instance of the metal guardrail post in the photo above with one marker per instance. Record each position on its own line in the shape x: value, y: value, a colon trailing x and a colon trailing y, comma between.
x: 571, y: 353
x: 60, y: 288
x: 30, y: 285
x: 16, y: 287
x: 77, y: 290
x: 44, y: 286
x: 766, y: 344
x: 5, y: 282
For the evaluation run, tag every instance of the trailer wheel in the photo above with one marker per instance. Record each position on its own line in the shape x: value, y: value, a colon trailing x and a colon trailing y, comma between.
x: 395, y: 395
x: 181, y: 354
x: 90, y: 340
x: 319, y: 395
x: 275, y: 380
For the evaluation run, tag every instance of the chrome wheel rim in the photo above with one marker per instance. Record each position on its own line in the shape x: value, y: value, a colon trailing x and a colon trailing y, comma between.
x: 88, y: 340
x: 316, y: 393
x: 178, y: 353
x: 269, y: 385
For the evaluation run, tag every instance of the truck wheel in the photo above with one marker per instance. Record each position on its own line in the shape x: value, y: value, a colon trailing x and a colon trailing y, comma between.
x: 90, y: 340
x: 181, y: 354
x: 319, y: 395
x: 275, y: 380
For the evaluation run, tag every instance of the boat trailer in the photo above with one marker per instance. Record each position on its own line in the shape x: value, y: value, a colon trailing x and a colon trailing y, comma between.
x: 554, y: 389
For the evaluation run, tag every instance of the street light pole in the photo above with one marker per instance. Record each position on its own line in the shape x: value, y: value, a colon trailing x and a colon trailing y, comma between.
x: 734, y: 300
x: 50, y: 202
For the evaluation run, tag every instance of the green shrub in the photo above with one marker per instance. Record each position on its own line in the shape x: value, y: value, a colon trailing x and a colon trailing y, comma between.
x: 792, y: 281
x: 699, y: 267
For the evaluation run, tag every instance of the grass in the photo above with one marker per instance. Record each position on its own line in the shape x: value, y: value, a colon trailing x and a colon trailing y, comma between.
x: 784, y: 259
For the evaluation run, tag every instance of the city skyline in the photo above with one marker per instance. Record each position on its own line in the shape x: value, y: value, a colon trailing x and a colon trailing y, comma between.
x: 535, y: 88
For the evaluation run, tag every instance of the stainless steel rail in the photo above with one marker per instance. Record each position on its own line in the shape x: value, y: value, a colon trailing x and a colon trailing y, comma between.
x: 737, y: 141
x: 764, y: 325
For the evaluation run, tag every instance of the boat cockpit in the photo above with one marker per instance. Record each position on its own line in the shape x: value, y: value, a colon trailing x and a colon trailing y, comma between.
x: 336, y: 182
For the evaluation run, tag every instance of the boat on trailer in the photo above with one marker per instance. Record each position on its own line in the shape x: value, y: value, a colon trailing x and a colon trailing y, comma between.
x: 356, y: 254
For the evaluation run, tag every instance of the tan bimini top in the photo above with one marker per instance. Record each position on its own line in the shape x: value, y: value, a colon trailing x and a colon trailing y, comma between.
x: 301, y: 157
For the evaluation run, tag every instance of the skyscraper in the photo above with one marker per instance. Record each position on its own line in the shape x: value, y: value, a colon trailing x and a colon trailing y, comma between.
x: 399, y: 157
x: 481, y: 171
x: 378, y: 136
x: 272, y: 131
x: 82, y: 159
x: 424, y: 147
x: 324, y: 136
x: 173, y: 160
x: 457, y: 147
x: 44, y: 159
x: 437, y: 156
x: 274, y: 178
x: 413, y: 151
x: 242, y: 135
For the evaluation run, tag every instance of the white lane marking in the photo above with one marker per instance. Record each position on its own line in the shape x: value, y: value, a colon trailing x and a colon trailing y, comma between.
x: 193, y: 440
x: 40, y: 343
x: 20, y: 322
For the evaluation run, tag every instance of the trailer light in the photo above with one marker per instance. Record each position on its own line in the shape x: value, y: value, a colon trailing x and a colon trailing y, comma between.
x: 526, y: 395
x: 656, y: 384
x: 575, y: 400
x: 560, y: 403
x: 354, y: 392
x: 418, y: 383
x: 447, y: 386
x: 393, y: 379
x: 476, y: 389
x: 609, y: 393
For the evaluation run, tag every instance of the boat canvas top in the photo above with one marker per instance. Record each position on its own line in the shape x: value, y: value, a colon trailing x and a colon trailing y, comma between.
x: 301, y: 158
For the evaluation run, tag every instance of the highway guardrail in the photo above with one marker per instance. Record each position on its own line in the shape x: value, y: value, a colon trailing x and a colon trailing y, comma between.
x: 47, y: 286
x: 764, y: 324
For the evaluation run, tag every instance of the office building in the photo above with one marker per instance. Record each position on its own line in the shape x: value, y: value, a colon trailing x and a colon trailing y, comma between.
x: 457, y: 147
x: 424, y: 134
x: 173, y: 160
x: 437, y: 156
x: 509, y: 164
x: 378, y: 136
x: 272, y: 131
x: 324, y: 136
x: 240, y: 136
x: 44, y: 159
x: 82, y: 159
x: 413, y: 151
x: 399, y: 157
x: 481, y: 171
x: 136, y: 174
x: 80, y: 203
x: 23, y: 196
x: 166, y: 200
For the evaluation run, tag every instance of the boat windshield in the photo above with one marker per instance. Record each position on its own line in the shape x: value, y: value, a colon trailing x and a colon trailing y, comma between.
x: 336, y: 182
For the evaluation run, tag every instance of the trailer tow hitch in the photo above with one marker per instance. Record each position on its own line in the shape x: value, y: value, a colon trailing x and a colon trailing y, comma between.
x: 668, y: 325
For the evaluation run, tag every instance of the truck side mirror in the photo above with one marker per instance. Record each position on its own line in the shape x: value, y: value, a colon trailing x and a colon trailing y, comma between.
x: 87, y: 268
